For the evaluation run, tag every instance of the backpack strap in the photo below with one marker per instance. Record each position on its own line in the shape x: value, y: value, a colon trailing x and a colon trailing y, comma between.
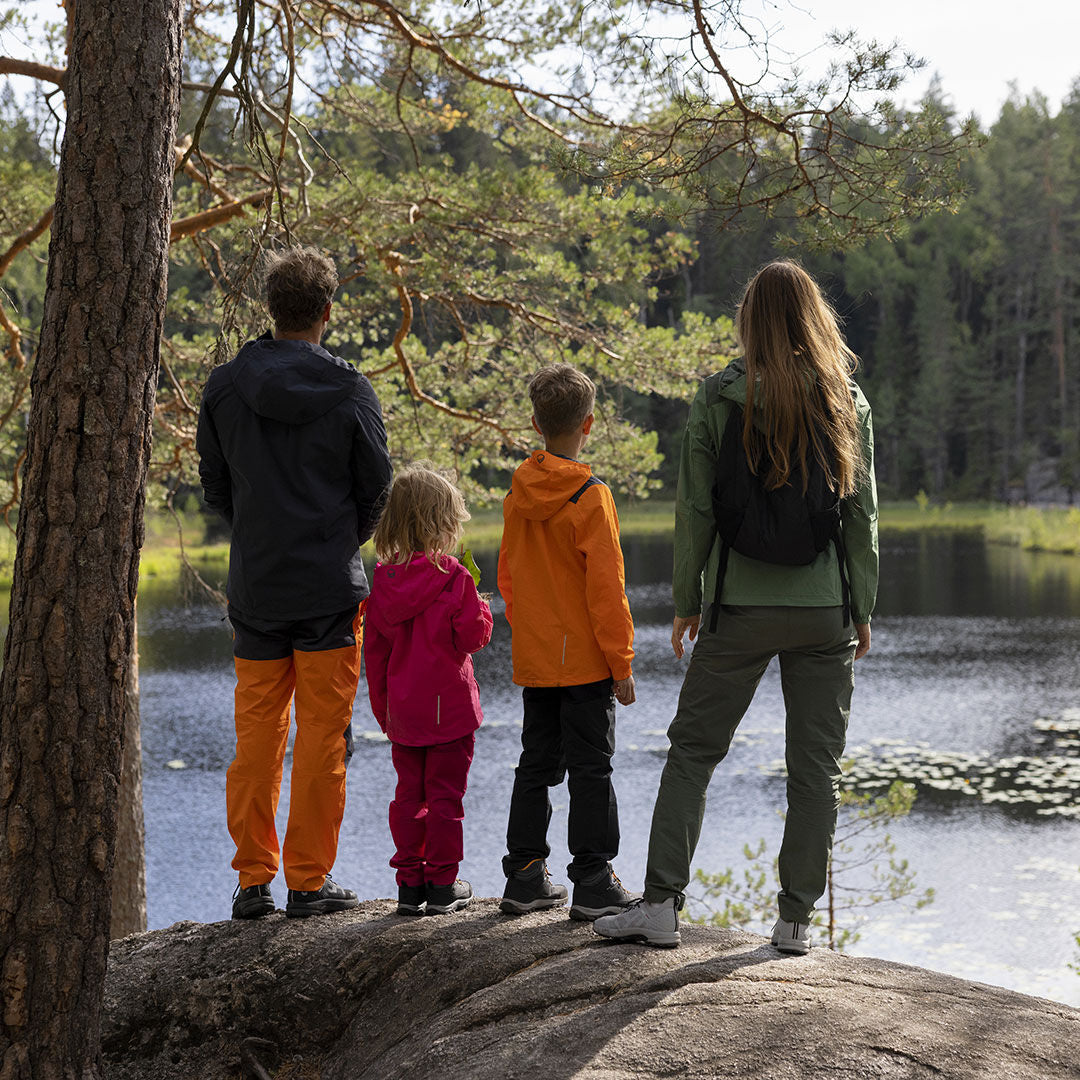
x: 721, y: 570
x: 584, y: 487
x: 845, y: 584
x: 725, y: 454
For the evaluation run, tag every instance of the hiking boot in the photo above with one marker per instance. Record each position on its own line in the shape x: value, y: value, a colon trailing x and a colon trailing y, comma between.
x: 645, y: 922
x: 331, y: 897
x: 531, y: 889
x: 252, y: 903
x: 411, y: 899
x: 600, y: 895
x: 792, y: 937
x: 442, y: 899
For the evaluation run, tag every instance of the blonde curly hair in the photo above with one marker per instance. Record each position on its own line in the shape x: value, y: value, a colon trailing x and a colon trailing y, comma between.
x: 424, y: 512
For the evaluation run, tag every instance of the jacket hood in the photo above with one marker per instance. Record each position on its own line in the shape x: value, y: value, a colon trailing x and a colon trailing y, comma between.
x: 294, y: 382
x: 732, y: 385
x: 400, y: 591
x: 733, y: 382
x: 544, y: 484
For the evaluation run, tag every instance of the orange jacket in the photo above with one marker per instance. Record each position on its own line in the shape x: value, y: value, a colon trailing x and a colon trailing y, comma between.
x: 561, y: 575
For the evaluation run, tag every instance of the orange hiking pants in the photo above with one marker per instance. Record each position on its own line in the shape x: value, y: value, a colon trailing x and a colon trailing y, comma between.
x: 317, y: 662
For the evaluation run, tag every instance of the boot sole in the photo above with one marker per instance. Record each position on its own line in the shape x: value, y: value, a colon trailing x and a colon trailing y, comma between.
x: 254, y: 911
x: 520, y: 907
x: 658, y: 939
x: 410, y: 909
x: 792, y: 948
x: 323, y: 907
x: 446, y: 909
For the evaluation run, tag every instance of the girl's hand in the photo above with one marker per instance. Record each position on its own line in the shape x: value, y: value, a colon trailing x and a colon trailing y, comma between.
x: 679, y: 627
x: 863, y: 630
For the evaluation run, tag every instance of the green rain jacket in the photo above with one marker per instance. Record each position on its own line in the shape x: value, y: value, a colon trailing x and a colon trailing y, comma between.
x: 750, y: 581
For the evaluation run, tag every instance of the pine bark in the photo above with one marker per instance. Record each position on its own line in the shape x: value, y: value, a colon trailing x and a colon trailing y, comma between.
x: 65, y: 677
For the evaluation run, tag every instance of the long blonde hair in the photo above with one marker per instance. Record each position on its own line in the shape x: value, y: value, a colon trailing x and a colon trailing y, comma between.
x: 424, y: 512
x: 798, y: 399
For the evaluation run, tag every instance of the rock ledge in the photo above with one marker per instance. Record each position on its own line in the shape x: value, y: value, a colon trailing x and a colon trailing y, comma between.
x: 368, y: 995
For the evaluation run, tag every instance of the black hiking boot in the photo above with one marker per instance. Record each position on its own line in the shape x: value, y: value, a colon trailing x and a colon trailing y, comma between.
x: 442, y: 899
x: 411, y: 899
x: 252, y: 903
x: 531, y: 889
x: 331, y: 897
x: 600, y: 895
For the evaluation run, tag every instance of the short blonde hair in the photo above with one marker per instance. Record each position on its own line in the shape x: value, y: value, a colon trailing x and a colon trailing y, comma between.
x: 424, y: 512
x: 300, y: 282
x: 561, y: 398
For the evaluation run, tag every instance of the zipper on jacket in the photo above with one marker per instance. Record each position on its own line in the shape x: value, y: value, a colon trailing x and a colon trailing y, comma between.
x: 438, y: 709
x: 564, y: 650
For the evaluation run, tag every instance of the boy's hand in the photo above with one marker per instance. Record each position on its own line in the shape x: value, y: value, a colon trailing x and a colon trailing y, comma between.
x: 678, y: 628
x: 863, y: 647
x: 624, y: 691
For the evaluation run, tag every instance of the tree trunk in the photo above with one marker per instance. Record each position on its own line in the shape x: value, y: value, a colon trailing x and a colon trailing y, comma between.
x: 63, y: 686
x: 129, y: 864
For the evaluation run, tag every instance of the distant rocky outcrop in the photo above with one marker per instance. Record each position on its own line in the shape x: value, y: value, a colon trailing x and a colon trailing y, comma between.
x: 368, y: 995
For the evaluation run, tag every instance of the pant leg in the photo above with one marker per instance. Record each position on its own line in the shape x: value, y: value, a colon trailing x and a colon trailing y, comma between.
x: 446, y: 776
x: 725, y: 669
x: 817, y: 679
x: 264, y: 689
x: 587, y: 714
x: 408, y: 814
x: 326, y: 681
x: 541, y: 766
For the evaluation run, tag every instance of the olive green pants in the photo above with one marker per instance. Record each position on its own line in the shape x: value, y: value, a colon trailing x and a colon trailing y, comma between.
x: 816, y: 653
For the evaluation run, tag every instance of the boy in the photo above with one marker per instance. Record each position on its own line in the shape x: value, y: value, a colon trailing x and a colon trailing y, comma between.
x: 293, y: 454
x: 561, y: 575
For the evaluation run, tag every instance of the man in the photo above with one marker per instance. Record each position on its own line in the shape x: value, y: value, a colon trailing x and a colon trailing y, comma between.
x: 293, y: 454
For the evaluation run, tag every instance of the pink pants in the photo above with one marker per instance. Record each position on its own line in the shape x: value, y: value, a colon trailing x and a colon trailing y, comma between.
x: 426, y: 814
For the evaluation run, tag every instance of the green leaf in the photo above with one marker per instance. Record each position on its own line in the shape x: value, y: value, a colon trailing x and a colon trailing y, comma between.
x: 470, y: 565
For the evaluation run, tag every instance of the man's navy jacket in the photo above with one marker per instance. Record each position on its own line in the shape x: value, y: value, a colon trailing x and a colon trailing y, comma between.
x: 293, y: 453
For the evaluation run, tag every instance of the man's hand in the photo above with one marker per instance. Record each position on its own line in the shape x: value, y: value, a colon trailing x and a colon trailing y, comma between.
x: 863, y: 630
x: 679, y: 627
x: 624, y: 691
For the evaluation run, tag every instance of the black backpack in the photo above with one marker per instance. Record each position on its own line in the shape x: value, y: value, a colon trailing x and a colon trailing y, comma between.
x: 785, y: 526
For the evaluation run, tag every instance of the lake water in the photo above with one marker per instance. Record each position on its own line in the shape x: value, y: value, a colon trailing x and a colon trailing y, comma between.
x: 972, y: 688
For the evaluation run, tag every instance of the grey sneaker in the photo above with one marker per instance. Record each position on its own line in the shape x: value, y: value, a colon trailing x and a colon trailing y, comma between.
x: 331, y: 897
x: 252, y: 903
x: 645, y: 922
x: 792, y: 937
x: 442, y: 899
x: 531, y: 889
x: 603, y: 894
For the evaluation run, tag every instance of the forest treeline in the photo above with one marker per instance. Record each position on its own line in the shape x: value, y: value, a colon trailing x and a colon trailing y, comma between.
x: 967, y: 321
x: 967, y: 325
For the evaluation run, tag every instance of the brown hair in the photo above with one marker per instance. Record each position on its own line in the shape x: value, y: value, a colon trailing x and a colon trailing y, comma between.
x: 424, y: 512
x: 561, y: 398
x: 798, y: 399
x: 300, y: 282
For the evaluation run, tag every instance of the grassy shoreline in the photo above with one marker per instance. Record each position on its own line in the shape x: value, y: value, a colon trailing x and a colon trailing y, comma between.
x: 1049, y: 529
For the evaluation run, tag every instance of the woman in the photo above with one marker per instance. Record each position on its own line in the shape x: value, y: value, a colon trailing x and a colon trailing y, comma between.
x: 802, y: 415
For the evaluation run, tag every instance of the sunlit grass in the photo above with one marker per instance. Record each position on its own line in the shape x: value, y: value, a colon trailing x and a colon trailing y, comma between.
x: 1032, y: 528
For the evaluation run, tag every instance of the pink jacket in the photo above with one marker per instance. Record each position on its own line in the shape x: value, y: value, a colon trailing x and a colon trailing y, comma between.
x: 420, y: 626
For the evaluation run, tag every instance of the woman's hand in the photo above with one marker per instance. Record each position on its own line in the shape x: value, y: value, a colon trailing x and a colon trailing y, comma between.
x: 680, y: 626
x: 863, y: 647
x: 624, y: 690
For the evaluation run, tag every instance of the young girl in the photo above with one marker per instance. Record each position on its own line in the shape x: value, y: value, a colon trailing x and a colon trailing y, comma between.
x: 423, y: 619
